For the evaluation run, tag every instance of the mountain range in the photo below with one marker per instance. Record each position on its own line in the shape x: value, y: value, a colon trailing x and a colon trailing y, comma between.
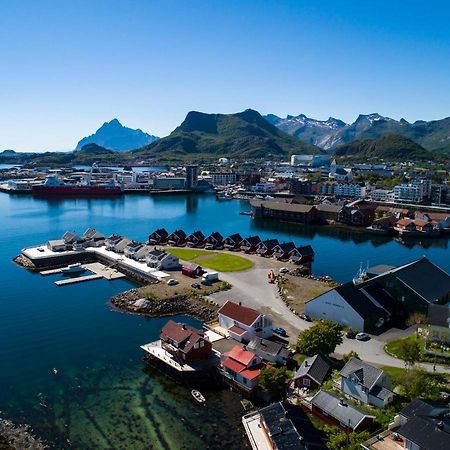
x: 329, y: 134
x: 242, y: 135
x: 114, y: 136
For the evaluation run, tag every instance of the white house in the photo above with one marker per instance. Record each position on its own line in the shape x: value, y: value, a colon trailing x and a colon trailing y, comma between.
x: 116, y: 243
x: 243, y: 323
x: 365, y: 383
x: 354, y: 190
x: 161, y: 260
x: 350, y: 306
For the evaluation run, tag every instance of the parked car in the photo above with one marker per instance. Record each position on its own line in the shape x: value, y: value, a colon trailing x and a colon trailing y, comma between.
x: 362, y: 337
x: 280, y: 331
x: 196, y: 285
x: 305, y: 317
x: 351, y: 334
x: 284, y: 270
x: 172, y: 282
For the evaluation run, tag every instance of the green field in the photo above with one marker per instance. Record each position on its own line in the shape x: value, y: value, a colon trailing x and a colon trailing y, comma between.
x: 222, y: 262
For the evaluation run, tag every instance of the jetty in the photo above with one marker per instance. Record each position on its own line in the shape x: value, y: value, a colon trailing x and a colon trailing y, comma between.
x: 78, y: 279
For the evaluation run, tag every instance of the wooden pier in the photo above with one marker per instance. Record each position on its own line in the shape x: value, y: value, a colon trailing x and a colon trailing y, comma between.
x: 78, y: 279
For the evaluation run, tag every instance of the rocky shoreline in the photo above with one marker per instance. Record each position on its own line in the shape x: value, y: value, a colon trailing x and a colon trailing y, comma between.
x: 133, y: 301
x: 18, y: 437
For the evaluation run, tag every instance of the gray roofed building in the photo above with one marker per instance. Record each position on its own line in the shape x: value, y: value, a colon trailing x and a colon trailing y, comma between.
x: 425, y: 425
x: 367, y: 375
x: 366, y: 383
x: 269, y: 350
x: 333, y: 409
x: 317, y: 368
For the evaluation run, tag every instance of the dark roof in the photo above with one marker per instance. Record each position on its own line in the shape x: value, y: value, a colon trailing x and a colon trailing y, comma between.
x: 419, y: 407
x: 236, y: 237
x: 338, y: 409
x: 259, y: 345
x: 157, y: 253
x: 184, y: 335
x: 197, y: 235
x: 252, y: 240
x: 281, y: 428
x: 357, y: 300
x: 429, y: 433
x: 317, y: 367
x: 160, y: 232
x: 366, y: 374
x: 270, y: 243
x: 423, y: 277
x: 239, y: 313
x: 380, y: 268
x: 278, y: 205
x: 286, y: 246
x: 179, y: 234
x: 329, y: 208
x: 380, y: 295
x: 381, y: 392
x: 115, y: 238
x: 216, y: 235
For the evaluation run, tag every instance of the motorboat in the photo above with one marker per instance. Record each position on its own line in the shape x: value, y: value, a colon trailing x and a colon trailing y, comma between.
x: 198, y: 396
x: 73, y: 268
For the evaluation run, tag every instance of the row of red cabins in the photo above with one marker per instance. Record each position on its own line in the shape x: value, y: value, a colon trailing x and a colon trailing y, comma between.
x: 286, y: 251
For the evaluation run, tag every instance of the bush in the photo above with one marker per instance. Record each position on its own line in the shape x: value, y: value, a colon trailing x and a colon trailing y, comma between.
x: 322, y: 337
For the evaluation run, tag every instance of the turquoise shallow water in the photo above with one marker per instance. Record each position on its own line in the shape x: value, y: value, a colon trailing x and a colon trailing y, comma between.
x: 102, y: 397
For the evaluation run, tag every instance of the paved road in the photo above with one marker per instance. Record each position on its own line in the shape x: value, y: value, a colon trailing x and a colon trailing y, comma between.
x: 252, y: 289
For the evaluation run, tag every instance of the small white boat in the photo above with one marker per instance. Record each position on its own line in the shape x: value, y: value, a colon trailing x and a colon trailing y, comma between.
x: 55, y: 370
x: 198, y: 396
x: 73, y: 268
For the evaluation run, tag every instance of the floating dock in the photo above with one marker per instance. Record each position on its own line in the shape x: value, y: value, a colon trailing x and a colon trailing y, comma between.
x: 78, y: 279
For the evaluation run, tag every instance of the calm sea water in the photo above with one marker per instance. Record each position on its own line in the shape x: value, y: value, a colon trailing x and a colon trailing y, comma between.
x: 102, y: 395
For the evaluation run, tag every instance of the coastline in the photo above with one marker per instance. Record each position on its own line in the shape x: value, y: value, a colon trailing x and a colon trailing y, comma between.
x: 133, y: 301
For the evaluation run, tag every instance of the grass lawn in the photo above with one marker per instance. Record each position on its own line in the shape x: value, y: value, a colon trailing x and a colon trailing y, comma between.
x: 222, y: 262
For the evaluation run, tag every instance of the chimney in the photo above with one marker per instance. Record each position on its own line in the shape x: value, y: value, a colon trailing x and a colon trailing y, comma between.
x: 240, y: 303
x: 306, y: 363
x: 183, y: 326
x: 440, y: 425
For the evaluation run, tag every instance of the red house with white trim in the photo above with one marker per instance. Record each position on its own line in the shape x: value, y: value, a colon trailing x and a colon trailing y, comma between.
x: 241, y: 367
x: 243, y: 323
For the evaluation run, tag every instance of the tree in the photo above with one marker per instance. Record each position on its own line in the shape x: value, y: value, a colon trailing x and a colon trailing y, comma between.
x: 419, y: 383
x: 416, y: 319
x: 274, y: 380
x: 338, y: 440
x: 347, y: 356
x: 409, y: 350
x: 322, y: 337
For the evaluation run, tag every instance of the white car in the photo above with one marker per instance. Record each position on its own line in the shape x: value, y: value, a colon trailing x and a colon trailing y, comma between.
x: 362, y: 337
x: 172, y: 282
x: 284, y: 270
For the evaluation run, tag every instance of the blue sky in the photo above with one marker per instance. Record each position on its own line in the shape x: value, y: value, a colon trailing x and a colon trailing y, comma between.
x: 68, y: 66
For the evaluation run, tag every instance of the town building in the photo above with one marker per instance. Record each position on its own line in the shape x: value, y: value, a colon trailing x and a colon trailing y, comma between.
x: 357, y: 213
x: 158, y: 237
x: 177, y: 238
x: 365, y: 383
x: 162, y: 260
x: 310, y: 160
x: 269, y: 350
x: 242, y: 368
x: 293, y: 212
x: 195, y: 239
x: 335, y: 411
x: 243, y: 323
x: 250, y: 244
x: 312, y: 372
x: 273, y: 428
x: 266, y: 248
x: 233, y: 242
x: 350, y: 190
x: 350, y: 306
x: 425, y: 425
x: 186, y: 344
x: 214, y: 241
x: 222, y: 178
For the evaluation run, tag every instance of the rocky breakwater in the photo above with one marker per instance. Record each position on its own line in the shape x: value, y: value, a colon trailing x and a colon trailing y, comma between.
x: 134, y: 301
